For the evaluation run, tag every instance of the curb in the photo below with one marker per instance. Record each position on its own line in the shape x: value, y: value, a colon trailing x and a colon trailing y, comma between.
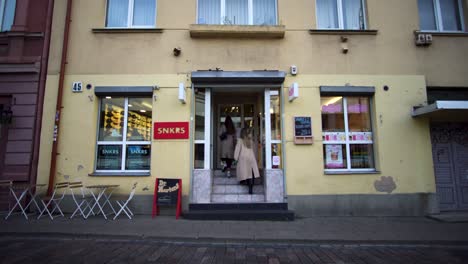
x: 234, y: 242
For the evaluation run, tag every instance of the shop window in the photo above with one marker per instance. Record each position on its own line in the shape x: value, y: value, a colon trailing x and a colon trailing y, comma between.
x: 347, y: 133
x: 237, y: 12
x: 341, y: 14
x: 131, y: 14
x: 124, y: 135
x: 440, y: 15
x: 7, y: 14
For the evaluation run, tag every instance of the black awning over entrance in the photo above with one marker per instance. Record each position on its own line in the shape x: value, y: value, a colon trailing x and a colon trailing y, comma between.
x: 211, y: 78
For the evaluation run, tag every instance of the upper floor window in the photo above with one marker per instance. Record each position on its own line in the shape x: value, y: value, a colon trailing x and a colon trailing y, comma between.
x: 440, y: 15
x: 131, y: 13
x: 237, y: 12
x: 341, y: 14
x: 7, y: 14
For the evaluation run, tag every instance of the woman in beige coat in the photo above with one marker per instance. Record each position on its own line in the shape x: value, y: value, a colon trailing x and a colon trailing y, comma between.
x: 246, y: 169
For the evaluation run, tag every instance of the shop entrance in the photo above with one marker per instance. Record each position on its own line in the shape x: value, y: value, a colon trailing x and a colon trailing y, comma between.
x: 255, y: 108
x: 243, y: 109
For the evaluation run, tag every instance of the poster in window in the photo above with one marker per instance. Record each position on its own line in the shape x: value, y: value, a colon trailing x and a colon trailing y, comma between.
x: 109, y: 157
x: 333, y: 156
x: 138, y: 157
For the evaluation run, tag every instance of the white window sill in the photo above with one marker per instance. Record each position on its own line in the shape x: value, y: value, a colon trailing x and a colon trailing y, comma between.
x: 343, y: 31
x: 443, y: 33
x: 351, y: 172
x: 236, y: 31
x: 120, y: 174
x: 127, y: 30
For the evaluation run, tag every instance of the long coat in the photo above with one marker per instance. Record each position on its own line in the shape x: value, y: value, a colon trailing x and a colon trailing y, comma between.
x: 227, y: 145
x: 246, y: 162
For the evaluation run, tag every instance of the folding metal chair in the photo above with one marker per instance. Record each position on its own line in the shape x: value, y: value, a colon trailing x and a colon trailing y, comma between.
x: 54, y: 200
x: 80, y: 199
x: 124, y: 204
x: 5, y: 187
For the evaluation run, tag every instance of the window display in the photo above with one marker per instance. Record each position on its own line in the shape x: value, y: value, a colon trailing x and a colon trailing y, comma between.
x: 124, y: 124
x: 347, y: 133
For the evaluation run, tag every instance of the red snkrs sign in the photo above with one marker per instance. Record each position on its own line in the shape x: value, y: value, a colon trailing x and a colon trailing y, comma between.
x: 171, y: 130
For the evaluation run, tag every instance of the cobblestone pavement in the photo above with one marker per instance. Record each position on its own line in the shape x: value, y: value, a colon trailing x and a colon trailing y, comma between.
x: 66, y: 250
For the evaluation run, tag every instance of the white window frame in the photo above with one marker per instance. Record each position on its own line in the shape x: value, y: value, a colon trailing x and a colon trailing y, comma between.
x: 131, y: 5
x: 124, y: 143
x: 340, y: 15
x: 2, y: 14
x: 347, y: 142
x: 222, y: 12
x: 439, y: 21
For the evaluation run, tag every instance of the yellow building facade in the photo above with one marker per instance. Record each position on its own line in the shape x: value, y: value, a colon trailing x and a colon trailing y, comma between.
x: 354, y: 78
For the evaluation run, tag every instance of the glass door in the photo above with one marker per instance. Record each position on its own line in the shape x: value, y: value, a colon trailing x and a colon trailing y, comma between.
x: 243, y: 116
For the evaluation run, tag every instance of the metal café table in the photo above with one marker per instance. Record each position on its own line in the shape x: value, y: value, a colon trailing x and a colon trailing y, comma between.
x: 24, y: 189
x: 98, y: 192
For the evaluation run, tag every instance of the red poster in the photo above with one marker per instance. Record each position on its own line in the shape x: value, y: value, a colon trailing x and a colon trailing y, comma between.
x: 171, y: 130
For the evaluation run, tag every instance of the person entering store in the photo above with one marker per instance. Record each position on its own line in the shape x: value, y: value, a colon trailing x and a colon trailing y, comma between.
x: 227, y: 136
x: 246, y: 168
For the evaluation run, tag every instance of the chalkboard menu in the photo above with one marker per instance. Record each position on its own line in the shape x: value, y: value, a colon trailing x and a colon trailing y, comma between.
x: 167, y: 192
x: 303, y: 130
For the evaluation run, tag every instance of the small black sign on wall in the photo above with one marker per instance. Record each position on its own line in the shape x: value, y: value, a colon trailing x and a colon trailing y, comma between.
x: 167, y: 192
x: 303, y: 130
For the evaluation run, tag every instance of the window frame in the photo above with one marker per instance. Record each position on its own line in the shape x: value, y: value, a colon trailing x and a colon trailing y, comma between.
x: 340, y: 16
x: 222, y: 14
x: 131, y: 6
x: 124, y: 143
x: 438, y: 18
x: 347, y: 142
x: 3, y: 6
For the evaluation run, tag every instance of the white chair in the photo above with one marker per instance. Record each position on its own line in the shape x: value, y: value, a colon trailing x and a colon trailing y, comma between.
x: 81, y: 200
x: 124, y: 204
x: 54, y: 200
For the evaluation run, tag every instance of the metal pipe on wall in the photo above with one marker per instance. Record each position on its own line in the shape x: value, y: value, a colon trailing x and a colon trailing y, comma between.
x: 58, y: 109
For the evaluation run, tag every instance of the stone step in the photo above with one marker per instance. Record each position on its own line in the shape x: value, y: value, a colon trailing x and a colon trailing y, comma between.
x: 236, y: 189
x: 219, y: 173
x: 238, y: 206
x: 223, y: 180
x: 237, y: 198
x: 270, y: 215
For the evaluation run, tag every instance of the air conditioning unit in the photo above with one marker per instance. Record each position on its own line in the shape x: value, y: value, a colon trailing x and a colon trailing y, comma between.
x: 428, y: 39
x: 420, y: 39
x: 423, y: 39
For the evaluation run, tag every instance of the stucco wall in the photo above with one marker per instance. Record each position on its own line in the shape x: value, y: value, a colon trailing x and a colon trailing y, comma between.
x: 402, y: 144
x: 392, y: 51
x: 388, y: 58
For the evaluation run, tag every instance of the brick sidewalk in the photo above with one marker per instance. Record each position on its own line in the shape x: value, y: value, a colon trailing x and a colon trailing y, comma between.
x: 72, y: 250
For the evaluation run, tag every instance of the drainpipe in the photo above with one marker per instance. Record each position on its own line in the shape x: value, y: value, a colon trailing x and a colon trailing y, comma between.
x: 42, y: 82
x: 63, y: 63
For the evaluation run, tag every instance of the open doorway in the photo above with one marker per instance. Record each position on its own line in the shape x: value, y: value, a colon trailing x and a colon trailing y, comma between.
x: 244, y: 108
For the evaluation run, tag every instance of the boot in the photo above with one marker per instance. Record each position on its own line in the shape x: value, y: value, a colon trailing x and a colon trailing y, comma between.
x: 250, y: 186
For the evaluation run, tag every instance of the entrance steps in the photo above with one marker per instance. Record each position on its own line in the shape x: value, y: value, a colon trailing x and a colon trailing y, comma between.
x: 232, y: 201
x: 240, y: 211
x: 228, y: 190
